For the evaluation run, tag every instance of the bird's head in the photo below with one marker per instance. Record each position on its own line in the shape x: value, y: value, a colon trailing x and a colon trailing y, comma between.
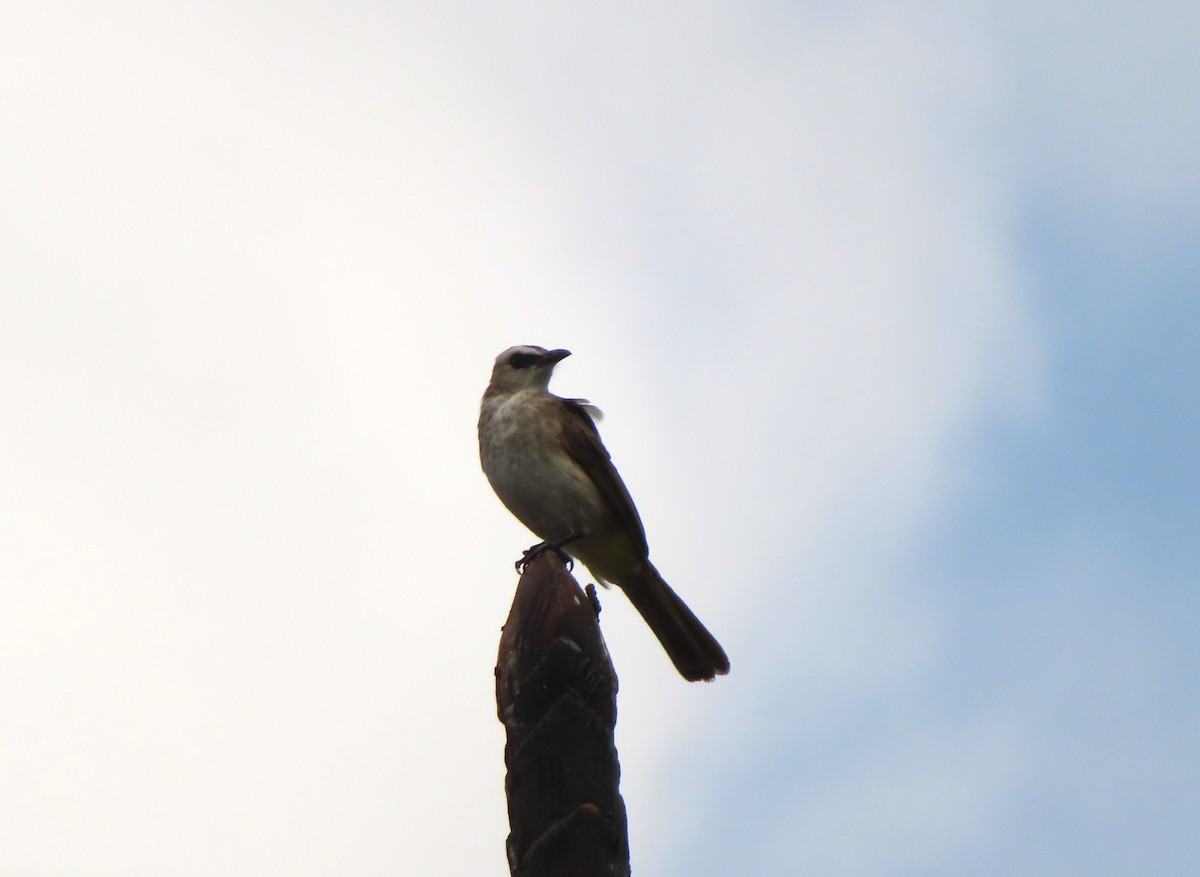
x: 525, y: 367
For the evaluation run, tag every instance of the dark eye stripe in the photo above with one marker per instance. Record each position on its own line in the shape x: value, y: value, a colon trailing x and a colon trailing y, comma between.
x: 523, y: 360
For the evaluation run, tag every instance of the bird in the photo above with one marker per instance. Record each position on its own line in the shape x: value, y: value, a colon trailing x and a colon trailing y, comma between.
x: 543, y: 456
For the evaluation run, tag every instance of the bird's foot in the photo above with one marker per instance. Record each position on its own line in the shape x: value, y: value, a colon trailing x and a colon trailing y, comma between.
x: 530, y: 554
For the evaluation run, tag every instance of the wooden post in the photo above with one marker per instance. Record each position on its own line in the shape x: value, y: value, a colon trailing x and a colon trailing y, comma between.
x: 556, y: 693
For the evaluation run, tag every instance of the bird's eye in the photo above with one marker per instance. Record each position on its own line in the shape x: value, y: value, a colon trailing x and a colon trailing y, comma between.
x: 523, y: 360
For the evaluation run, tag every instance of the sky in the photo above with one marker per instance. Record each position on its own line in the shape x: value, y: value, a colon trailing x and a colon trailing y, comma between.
x: 892, y: 310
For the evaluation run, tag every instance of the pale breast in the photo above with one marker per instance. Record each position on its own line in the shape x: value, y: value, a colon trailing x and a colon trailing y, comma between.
x: 521, y: 450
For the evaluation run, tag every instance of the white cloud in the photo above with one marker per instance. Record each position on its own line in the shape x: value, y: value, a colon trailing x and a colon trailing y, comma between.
x: 260, y: 262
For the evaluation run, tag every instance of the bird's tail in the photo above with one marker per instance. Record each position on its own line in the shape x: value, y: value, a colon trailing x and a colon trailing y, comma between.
x: 694, y: 651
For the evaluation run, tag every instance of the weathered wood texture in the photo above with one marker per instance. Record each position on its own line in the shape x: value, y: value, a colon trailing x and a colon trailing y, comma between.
x: 556, y: 693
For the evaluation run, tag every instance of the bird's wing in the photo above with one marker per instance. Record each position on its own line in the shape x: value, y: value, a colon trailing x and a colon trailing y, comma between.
x: 582, y: 442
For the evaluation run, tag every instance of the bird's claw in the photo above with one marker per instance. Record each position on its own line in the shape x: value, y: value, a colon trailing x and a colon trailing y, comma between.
x: 531, y: 553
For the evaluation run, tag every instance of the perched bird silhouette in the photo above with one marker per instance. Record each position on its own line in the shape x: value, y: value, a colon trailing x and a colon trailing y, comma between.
x: 543, y: 456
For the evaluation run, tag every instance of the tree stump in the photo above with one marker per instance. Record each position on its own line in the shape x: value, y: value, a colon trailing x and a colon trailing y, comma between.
x: 556, y: 693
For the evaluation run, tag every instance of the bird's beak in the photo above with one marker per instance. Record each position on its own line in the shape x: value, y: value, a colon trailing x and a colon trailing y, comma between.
x: 554, y: 356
